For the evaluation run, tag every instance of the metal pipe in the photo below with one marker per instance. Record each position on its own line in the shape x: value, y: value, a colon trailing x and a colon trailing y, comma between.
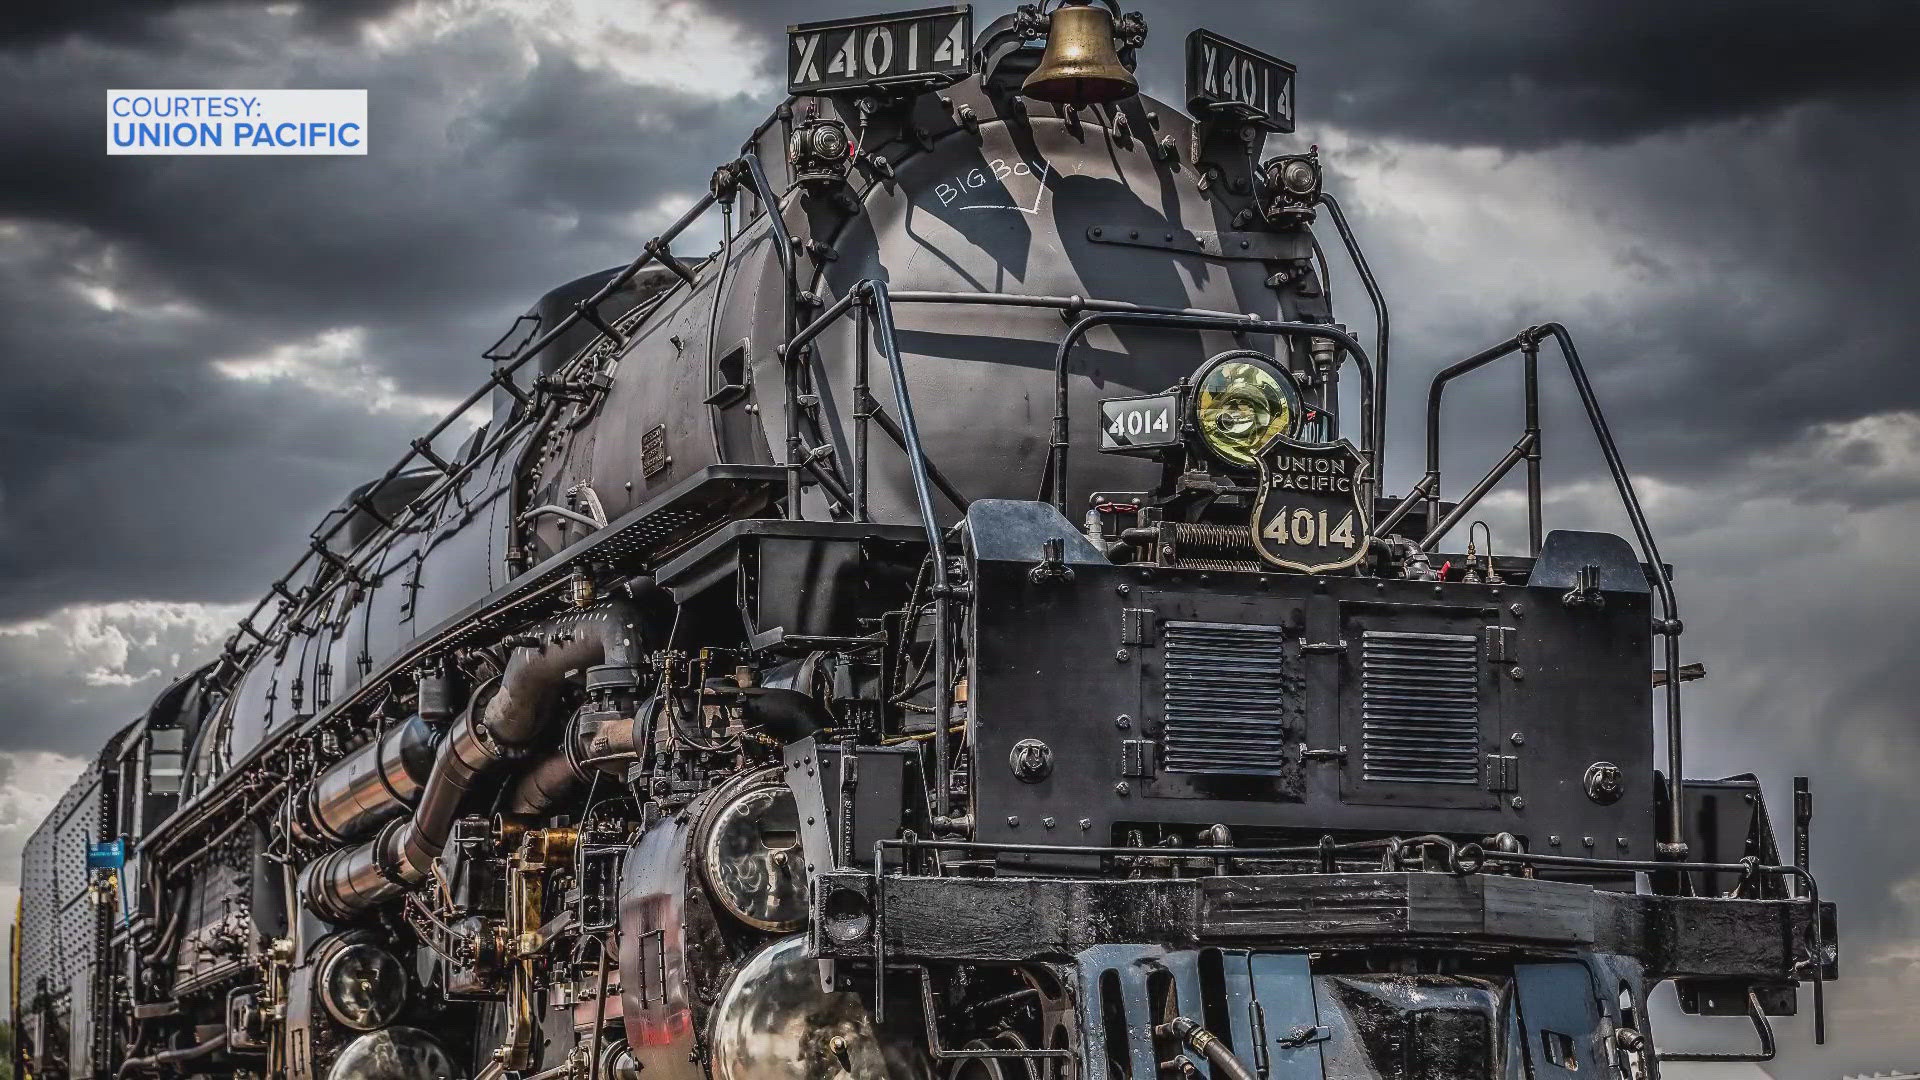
x: 1386, y: 524
x: 1069, y: 304
x: 791, y: 351
x: 495, y: 729
x: 1531, y: 354
x: 1380, y: 322
x: 371, y: 785
x: 863, y: 408
x: 1479, y: 491
x: 939, y: 479
x: 599, y: 1014
x: 559, y: 511
x: 1435, y: 391
x: 936, y: 545
x: 168, y: 1058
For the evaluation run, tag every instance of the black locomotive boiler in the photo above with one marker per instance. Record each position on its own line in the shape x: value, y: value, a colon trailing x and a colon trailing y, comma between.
x: 954, y: 629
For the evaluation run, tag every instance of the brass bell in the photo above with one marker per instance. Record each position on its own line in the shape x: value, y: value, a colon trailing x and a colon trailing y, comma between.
x: 1081, y: 65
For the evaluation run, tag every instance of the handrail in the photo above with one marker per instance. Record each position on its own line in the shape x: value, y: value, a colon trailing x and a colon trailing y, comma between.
x: 943, y: 593
x: 1380, y: 320
x: 1668, y: 625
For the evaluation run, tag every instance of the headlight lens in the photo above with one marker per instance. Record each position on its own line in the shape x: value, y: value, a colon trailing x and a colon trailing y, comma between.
x: 1243, y: 401
x: 1299, y: 176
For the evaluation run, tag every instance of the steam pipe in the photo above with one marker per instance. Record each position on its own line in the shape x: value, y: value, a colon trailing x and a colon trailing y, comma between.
x: 562, y: 773
x: 496, y: 728
x: 370, y: 786
x: 166, y: 1058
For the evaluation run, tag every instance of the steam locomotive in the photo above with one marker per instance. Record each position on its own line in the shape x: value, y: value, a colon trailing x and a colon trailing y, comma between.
x: 954, y: 629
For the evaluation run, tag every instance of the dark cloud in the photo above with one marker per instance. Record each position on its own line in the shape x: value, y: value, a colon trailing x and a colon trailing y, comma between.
x: 150, y: 22
x: 1531, y: 75
x: 481, y: 194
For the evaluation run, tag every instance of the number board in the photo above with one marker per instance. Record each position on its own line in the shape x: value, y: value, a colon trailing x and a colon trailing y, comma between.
x: 1308, y: 516
x: 931, y: 46
x: 1139, y: 424
x: 1226, y: 75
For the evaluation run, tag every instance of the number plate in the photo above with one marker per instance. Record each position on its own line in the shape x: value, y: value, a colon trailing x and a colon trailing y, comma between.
x: 1309, y: 516
x: 1227, y: 76
x: 1139, y: 424
x: 932, y: 45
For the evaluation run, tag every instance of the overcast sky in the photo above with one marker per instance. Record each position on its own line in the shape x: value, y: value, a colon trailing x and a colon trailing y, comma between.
x: 199, y: 355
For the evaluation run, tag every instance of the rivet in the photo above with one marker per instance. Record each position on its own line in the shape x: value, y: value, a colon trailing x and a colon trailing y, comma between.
x: 1123, y: 721
x: 1518, y: 803
x: 1553, y: 841
x: 1516, y: 609
x: 1123, y: 589
x: 1621, y: 841
x: 1517, y: 673
x: 1013, y: 821
x: 1518, y: 738
x: 1121, y: 788
x: 1587, y: 840
x: 1048, y: 822
x: 1122, y: 655
x: 1085, y: 824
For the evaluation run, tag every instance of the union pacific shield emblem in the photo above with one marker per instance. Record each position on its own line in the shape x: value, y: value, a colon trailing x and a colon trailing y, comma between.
x: 1308, y: 515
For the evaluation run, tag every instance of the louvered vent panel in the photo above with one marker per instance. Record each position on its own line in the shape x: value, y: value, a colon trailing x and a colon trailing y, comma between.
x: 1420, y: 703
x: 1223, y: 699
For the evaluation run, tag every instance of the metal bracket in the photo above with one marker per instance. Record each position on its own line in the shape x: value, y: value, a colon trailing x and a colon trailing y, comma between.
x: 1499, y: 643
x: 1304, y: 1035
x: 1503, y: 772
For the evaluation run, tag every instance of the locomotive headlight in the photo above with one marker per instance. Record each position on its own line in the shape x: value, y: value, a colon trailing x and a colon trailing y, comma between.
x: 1300, y: 177
x: 1240, y: 402
x: 1296, y: 177
x: 829, y: 143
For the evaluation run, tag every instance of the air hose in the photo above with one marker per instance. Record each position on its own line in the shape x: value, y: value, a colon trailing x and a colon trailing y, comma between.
x: 1206, y: 1044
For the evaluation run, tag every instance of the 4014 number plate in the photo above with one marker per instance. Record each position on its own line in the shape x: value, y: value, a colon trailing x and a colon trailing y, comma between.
x: 1308, y: 516
x: 1139, y: 424
x: 932, y: 46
